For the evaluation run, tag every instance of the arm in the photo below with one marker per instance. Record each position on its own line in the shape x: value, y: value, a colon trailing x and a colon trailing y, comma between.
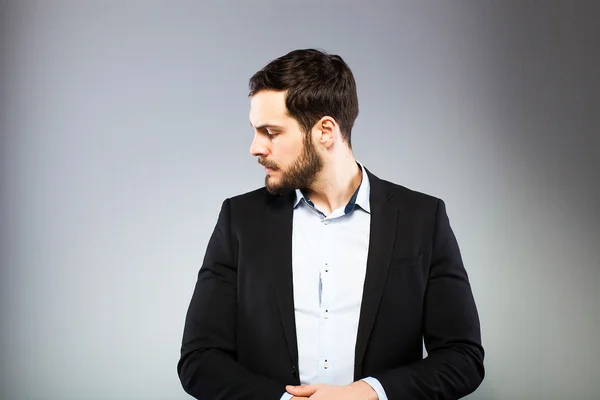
x: 207, y: 368
x: 454, y: 366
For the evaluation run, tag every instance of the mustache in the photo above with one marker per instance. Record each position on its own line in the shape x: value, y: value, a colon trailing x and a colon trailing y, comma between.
x: 266, y: 163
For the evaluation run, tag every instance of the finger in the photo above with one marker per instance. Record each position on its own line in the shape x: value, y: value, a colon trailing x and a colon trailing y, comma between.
x: 303, y: 391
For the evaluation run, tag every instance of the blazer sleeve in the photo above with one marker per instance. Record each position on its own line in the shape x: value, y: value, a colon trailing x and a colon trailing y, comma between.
x: 207, y: 368
x: 451, y: 331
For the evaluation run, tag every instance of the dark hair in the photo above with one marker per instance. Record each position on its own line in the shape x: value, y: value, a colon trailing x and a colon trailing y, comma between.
x: 317, y: 84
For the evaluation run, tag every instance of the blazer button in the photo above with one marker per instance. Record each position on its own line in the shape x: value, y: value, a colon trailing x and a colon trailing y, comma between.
x: 294, y: 372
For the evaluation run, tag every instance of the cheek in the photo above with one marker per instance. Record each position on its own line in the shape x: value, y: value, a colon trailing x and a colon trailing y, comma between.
x: 285, y: 154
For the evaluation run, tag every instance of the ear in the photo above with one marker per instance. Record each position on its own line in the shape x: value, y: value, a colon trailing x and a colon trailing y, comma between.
x: 326, y: 128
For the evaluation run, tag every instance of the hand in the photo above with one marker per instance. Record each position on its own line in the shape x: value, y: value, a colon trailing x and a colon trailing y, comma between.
x: 359, y: 390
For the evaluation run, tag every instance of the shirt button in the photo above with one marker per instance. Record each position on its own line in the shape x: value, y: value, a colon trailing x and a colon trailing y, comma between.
x: 326, y: 222
x: 326, y: 314
x: 326, y: 365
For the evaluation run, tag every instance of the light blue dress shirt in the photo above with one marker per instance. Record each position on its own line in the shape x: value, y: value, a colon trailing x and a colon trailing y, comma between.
x: 329, y: 263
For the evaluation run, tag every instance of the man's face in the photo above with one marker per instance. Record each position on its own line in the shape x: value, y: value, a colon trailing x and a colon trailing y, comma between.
x: 288, y: 154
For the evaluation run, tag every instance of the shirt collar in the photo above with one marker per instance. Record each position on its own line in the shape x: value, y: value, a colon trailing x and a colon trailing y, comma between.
x: 359, y: 198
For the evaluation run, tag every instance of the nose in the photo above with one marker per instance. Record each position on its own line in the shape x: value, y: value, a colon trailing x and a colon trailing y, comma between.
x: 258, y: 148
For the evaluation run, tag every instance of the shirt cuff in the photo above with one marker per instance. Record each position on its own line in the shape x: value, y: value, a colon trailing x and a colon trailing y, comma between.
x: 286, y: 396
x: 374, y: 383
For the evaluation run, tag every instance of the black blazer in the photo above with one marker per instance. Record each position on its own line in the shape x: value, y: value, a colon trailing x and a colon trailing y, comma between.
x: 239, y: 340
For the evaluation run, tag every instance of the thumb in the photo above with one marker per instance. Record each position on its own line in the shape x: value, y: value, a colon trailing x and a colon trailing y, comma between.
x: 302, y: 391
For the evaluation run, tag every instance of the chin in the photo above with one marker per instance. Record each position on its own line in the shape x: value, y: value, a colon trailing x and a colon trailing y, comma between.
x: 273, y: 185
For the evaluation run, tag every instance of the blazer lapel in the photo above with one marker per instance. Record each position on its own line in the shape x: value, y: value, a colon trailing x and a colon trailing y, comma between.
x: 279, y: 255
x: 381, y: 244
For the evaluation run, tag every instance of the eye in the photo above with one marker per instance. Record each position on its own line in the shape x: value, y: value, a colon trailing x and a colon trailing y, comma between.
x: 272, y: 133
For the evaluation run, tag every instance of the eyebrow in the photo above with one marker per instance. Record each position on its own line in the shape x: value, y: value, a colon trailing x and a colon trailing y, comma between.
x: 266, y: 126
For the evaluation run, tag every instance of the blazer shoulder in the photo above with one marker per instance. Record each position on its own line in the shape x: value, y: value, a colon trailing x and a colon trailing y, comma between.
x: 252, y: 202
x: 254, y: 196
x: 409, y: 198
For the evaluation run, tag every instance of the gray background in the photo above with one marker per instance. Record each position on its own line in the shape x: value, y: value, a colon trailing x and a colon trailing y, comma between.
x: 125, y: 125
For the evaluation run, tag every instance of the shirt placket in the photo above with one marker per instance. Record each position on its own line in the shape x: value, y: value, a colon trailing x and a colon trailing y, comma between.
x: 325, y: 325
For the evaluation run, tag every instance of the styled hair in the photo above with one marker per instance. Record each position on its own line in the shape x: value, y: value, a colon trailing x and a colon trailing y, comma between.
x: 316, y: 84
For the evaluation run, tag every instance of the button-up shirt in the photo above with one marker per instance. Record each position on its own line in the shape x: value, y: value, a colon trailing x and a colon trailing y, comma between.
x: 329, y: 263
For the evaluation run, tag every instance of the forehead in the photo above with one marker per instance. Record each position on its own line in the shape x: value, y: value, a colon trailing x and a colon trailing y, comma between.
x: 268, y: 106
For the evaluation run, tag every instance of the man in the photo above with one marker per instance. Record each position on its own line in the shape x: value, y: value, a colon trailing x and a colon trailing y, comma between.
x: 325, y: 283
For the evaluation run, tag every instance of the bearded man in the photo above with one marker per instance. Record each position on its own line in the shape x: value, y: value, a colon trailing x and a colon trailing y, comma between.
x: 325, y: 283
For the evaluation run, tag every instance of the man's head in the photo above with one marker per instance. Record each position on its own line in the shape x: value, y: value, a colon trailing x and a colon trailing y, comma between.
x: 301, y: 104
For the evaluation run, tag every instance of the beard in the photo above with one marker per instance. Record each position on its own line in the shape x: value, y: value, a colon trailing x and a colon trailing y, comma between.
x: 300, y: 174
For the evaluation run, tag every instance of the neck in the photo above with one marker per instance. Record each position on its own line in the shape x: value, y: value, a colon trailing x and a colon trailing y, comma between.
x: 335, y: 184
